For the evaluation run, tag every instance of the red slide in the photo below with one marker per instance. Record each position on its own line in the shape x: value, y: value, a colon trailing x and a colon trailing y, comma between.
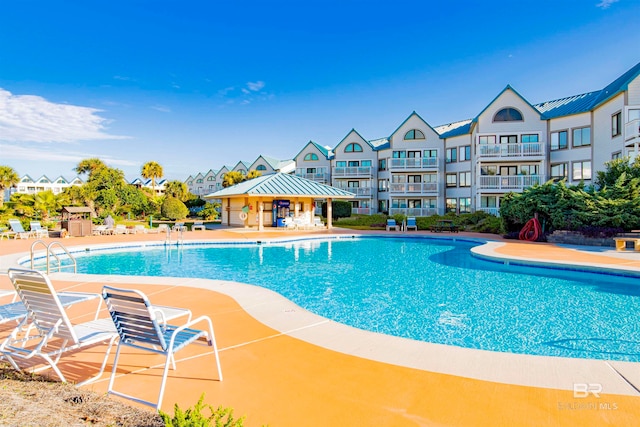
x: 531, y: 230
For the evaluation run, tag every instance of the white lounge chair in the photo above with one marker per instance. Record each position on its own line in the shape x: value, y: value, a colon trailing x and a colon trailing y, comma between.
x: 179, y: 226
x: 20, y: 232
x: 162, y: 228
x: 121, y: 229
x: 139, y: 229
x: 37, y: 230
x: 317, y: 222
x: 198, y: 225
x: 411, y: 223
x: 391, y: 223
x: 138, y: 326
x: 56, y: 335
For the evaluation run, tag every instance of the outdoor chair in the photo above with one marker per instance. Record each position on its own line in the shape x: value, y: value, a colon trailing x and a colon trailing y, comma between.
x: 54, y: 334
x: 391, y: 223
x: 20, y: 232
x: 411, y: 223
x: 37, y: 230
x: 138, y: 326
x: 198, y: 225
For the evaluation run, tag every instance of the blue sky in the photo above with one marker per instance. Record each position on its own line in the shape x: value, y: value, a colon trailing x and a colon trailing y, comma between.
x: 195, y: 85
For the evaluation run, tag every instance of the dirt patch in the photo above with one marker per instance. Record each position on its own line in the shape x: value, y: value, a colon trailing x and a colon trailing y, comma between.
x: 34, y: 400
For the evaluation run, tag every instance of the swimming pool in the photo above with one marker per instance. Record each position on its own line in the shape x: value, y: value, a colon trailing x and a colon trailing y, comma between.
x: 423, y: 289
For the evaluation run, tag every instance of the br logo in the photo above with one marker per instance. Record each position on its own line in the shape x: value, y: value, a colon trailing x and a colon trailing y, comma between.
x: 582, y: 390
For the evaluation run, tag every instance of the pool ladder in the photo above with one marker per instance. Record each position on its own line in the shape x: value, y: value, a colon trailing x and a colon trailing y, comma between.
x: 179, y: 238
x: 51, y: 253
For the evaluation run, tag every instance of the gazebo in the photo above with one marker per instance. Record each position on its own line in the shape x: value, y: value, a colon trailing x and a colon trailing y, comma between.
x: 269, y: 199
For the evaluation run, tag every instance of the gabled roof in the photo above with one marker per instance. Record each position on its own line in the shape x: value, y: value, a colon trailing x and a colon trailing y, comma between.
x: 567, y: 106
x: 380, y: 144
x: 450, y: 130
x: 26, y: 178
x: 325, y: 151
x: 508, y: 87
x: 407, y: 119
x: 618, y: 85
x: 360, y: 136
x: 281, y: 185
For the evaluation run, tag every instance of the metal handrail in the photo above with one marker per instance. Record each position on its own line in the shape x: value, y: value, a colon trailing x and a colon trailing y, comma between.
x: 73, y: 264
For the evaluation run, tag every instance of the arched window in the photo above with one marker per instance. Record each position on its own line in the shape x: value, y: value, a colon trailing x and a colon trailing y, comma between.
x: 261, y: 168
x: 508, y: 115
x: 353, y: 148
x: 311, y: 156
x: 414, y: 134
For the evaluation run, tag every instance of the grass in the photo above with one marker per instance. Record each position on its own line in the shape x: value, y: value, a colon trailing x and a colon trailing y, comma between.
x: 33, y: 400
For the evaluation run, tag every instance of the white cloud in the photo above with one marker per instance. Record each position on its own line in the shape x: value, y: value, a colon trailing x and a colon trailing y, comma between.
x: 255, y: 86
x: 161, y: 108
x: 23, y: 152
x: 33, y: 118
x: 606, y: 4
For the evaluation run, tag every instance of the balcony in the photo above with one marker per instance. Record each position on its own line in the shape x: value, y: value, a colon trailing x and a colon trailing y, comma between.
x: 413, y: 211
x: 413, y: 163
x: 414, y: 188
x: 511, y: 151
x: 492, y: 211
x: 353, y: 172
x: 506, y: 183
x: 321, y: 176
x: 632, y: 131
x: 362, y: 211
x: 358, y: 191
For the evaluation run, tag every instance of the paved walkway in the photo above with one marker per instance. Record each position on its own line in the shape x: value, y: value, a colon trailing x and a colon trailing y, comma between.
x: 284, y: 366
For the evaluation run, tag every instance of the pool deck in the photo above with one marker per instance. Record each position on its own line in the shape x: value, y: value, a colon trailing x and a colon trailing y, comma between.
x: 284, y: 366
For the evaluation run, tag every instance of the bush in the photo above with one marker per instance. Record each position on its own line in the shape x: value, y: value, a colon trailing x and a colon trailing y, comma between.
x: 208, y: 211
x: 193, y: 417
x: 173, y: 208
x: 339, y: 209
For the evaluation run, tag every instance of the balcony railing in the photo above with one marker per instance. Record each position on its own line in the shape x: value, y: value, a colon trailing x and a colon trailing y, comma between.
x: 322, y: 177
x: 362, y: 211
x: 414, y: 187
x: 508, y: 182
x: 632, y: 130
x: 492, y: 211
x: 523, y: 149
x: 414, y: 163
x: 353, y: 171
x: 358, y: 191
x: 413, y: 211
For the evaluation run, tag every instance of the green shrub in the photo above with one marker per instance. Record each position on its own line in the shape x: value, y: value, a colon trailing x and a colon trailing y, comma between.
x: 339, y: 209
x: 173, y: 208
x: 194, y: 417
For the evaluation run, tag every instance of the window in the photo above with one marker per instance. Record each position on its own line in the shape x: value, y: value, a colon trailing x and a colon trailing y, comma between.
x: 353, y: 184
x: 312, y: 170
x: 383, y: 185
x: 413, y: 154
x: 414, y: 134
x: 529, y: 169
x: 199, y: 181
x: 508, y: 139
x: 616, y: 155
x: 414, y: 203
x: 382, y: 164
x: 353, y: 163
x: 616, y: 124
x: 559, y: 140
x: 508, y: 115
x: 452, y: 180
x: 365, y: 163
x: 529, y: 138
x: 261, y: 168
x: 465, y: 205
x: 487, y: 139
x: 353, y: 148
x: 311, y: 156
x: 465, y: 179
x: 430, y: 177
x: 581, y: 170
x: 559, y: 172
x: 341, y: 163
x: 488, y: 201
x: 452, y: 205
x: 581, y: 137
x: 488, y: 170
x: 452, y: 155
x: 465, y: 153
x: 211, y: 178
x: 399, y: 154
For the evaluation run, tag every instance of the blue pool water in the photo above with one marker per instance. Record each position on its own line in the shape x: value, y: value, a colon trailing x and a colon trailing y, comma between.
x: 428, y: 290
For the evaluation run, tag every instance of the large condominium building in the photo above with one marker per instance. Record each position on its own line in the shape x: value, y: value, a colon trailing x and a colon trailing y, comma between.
x: 470, y: 165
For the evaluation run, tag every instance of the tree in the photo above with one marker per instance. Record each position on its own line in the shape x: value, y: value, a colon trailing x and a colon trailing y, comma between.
x: 46, y: 203
x: 614, y: 169
x: 173, y: 208
x: 152, y: 170
x: 8, y: 179
x: 339, y: 209
x: 177, y: 189
x: 236, y: 177
x: 89, y: 166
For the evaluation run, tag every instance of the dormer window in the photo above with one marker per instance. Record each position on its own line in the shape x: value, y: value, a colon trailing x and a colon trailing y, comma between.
x: 261, y: 168
x: 508, y: 115
x: 311, y: 156
x: 353, y: 148
x: 414, y: 134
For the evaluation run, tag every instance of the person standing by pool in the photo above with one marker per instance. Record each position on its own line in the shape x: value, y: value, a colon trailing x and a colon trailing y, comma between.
x: 109, y: 222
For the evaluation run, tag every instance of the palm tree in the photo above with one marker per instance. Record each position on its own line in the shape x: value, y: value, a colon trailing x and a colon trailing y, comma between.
x: 89, y: 166
x: 8, y: 179
x: 177, y: 189
x: 152, y: 170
